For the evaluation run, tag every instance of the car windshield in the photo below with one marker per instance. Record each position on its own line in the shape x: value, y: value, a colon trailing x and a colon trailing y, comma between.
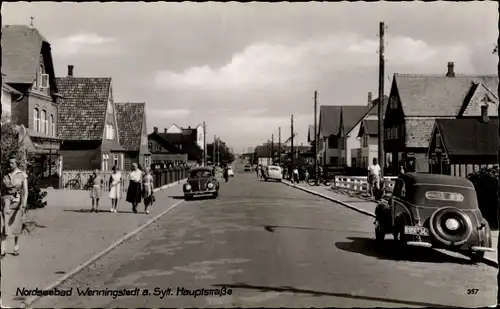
x: 200, y: 173
x: 273, y: 168
x: 440, y: 196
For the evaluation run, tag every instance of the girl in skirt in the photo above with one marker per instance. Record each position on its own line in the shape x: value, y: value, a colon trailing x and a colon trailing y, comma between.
x: 96, y: 191
x: 134, y: 191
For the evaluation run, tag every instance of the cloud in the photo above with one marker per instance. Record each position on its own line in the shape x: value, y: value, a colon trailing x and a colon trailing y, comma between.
x: 82, y: 42
x: 173, y: 113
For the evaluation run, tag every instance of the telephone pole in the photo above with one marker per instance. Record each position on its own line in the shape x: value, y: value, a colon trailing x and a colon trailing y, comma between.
x: 293, y: 152
x: 204, y: 144
x: 279, y: 145
x: 218, y: 151
x: 272, y: 149
x: 315, y: 137
x: 381, y: 74
x: 214, y: 146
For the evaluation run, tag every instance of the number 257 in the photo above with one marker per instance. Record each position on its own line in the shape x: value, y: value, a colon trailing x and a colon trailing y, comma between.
x: 472, y: 291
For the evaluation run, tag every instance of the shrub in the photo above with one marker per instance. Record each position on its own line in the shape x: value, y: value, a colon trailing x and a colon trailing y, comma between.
x: 486, y: 183
x: 11, y: 147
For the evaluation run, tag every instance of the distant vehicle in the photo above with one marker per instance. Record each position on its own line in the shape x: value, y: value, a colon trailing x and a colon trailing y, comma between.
x: 248, y: 168
x: 273, y: 172
x: 201, y: 181
x: 230, y: 172
x: 437, y: 211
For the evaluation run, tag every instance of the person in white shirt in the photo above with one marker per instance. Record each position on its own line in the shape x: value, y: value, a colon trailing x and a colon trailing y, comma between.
x: 134, y: 192
x: 373, y: 177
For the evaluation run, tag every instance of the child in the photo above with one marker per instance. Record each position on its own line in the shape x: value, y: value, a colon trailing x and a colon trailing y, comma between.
x: 96, y: 190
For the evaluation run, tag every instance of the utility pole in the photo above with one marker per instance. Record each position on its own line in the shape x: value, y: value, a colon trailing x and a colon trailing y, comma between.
x: 381, y: 74
x: 272, y: 149
x: 316, y: 176
x: 293, y: 152
x: 214, y: 146
x: 218, y: 151
x: 204, y: 144
x: 279, y: 145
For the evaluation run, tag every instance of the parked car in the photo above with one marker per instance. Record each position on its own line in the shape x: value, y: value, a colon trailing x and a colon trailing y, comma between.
x: 248, y: 168
x: 273, y: 172
x: 201, y: 181
x: 230, y: 172
x: 437, y: 211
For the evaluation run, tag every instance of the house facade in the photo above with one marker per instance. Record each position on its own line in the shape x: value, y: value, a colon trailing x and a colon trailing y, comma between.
x: 132, y: 132
x: 29, y: 70
x: 9, y: 94
x: 328, y: 132
x: 198, y: 131
x: 462, y: 146
x: 368, y: 136
x: 162, y: 151
x: 88, y: 124
x: 416, y: 101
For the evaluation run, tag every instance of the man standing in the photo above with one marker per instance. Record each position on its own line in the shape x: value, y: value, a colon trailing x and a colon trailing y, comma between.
x: 373, y: 177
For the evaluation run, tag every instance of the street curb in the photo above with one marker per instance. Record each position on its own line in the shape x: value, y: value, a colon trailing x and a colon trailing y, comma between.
x: 354, y: 208
x: 78, y: 269
x: 170, y: 185
x: 331, y: 199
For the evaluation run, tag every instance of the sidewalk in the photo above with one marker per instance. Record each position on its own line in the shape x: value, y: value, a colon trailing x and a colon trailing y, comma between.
x: 68, y: 235
x: 359, y: 203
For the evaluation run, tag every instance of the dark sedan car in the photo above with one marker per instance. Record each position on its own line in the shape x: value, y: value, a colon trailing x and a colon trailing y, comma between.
x: 436, y: 211
x: 201, y: 181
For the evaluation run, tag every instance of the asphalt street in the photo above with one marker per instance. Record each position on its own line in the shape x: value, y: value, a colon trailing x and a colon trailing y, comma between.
x: 272, y: 245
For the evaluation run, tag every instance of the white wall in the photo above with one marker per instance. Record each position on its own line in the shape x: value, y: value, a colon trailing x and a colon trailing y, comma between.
x: 6, y: 103
x: 200, y: 136
x: 174, y: 129
x: 351, y: 143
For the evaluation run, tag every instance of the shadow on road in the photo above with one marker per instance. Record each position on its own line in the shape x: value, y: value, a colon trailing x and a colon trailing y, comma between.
x: 177, y: 197
x: 388, y: 250
x: 272, y: 229
x: 289, y: 289
x: 100, y: 211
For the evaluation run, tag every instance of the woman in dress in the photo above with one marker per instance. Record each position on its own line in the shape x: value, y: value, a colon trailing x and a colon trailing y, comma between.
x: 115, y: 188
x: 14, y: 201
x: 96, y: 190
x: 134, y: 191
x: 148, y: 184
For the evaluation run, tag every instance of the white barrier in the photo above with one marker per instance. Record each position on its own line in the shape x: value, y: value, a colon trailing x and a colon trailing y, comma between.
x: 359, y: 183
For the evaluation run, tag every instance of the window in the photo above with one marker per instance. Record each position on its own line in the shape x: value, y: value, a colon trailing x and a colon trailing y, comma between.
x: 334, y: 161
x: 158, y: 147
x: 110, y: 133
x: 105, y: 162
x: 52, y: 126
x: 45, y: 125
x: 150, y: 146
x: 438, y: 140
x: 36, y: 120
x: 394, y: 103
x: 122, y: 161
x: 333, y: 141
x: 110, y: 107
x: 365, y: 140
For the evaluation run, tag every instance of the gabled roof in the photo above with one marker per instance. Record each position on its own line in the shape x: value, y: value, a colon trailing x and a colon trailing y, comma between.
x: 478, y: 92
x: 469, y: 136
x: 329, y: 119
x: 21, y: 48
x: 352, y: 115
x: 374, y: 110
x: 187, y: 143
x: 437, y: 95
x: 82, y: 112
x: 130, y: 122
x: 368, y: 126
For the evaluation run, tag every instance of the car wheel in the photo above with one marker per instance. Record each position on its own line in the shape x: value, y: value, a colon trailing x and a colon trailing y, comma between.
x: 215, y: 195
x: 400, y: 236
x: 476, y: 256
x: 188, y: 197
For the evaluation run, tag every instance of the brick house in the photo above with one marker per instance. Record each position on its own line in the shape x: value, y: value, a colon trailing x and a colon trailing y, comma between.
x: 87, y: 123
x: 132, y: 130
x: 416, y: 101
x: 29, y: 70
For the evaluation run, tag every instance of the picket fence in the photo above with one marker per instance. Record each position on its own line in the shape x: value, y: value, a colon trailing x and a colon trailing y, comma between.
x: 79, y: 179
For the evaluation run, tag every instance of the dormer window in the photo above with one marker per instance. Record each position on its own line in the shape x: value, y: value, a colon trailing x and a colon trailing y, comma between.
x: 110, y: 132
x: 110, y: 108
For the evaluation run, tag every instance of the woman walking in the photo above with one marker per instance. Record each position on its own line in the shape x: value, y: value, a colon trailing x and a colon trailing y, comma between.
x: 148, y: 185
x: 135, y: 187
x: 115, y: 192
x: 96, y: 191
x: 14, y: 201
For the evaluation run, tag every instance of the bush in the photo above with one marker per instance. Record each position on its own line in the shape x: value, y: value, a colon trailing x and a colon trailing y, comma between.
x: 11, y: 147
x: 486, y: 183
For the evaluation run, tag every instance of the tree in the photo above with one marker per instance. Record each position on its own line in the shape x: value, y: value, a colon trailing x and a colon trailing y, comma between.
x: 13, y: 146
x: 223, y: 154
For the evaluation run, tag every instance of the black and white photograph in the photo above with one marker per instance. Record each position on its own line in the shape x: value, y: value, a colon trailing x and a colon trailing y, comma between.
x: 250, y: 154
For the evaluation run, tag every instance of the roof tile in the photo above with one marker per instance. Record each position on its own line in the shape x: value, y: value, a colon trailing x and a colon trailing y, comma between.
x: 130, y: 118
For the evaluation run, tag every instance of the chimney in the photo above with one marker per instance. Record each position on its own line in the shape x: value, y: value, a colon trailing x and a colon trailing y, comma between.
x: 155, y: 129
x: 70, y: 70
x: 370, y: 99
x: 165, y: 130
x: 484, y: 113
x: 451, y: 70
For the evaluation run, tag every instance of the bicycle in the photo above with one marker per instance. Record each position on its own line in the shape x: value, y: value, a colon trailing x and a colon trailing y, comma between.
x: 321, y: 180
x: 76, y: 183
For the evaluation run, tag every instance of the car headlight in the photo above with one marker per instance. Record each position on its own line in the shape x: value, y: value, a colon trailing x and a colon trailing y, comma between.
x: 188, y: 187
x: 210, y: 185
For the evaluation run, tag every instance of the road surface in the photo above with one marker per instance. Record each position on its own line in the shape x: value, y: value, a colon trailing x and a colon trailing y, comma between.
x: 272, y: 245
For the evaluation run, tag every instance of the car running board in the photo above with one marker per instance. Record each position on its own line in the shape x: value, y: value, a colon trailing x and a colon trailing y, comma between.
x: 484, y: 249
x: 419, y: 244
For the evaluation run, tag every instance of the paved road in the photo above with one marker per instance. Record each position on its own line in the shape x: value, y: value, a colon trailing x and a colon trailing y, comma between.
x: 274, y: 245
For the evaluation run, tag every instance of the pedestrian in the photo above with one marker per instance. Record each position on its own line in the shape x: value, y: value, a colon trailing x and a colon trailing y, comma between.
x: 96, y: 190
x: 14, y: 201
x: 147, y: 187
x: 115, y: 192
x: 296, y: 174
x: 134, y: 191
x: 226, y: 173
x: 373, y: 177
x: 401, y: 170
x: 257, y: 169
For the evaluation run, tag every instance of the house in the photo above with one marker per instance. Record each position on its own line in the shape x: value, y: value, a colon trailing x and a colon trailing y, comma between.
x: 416, y: 101
x: 328, y: 141
x: 8, y: 95
x: 87, y: 124
x: 461, y: 146
x: 163, y: 151
x: 29, y: 71
x: 368, y: 136
x: 198, y: 131
x: 132, y: 130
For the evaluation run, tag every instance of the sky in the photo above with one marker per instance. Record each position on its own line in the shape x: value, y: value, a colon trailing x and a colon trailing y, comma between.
x: 245, y: 68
